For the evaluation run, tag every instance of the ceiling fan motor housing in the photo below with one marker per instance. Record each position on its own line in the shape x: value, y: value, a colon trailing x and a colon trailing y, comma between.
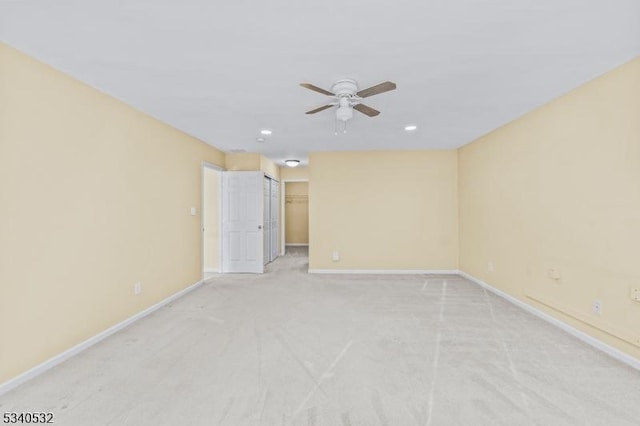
x: 345, y: 87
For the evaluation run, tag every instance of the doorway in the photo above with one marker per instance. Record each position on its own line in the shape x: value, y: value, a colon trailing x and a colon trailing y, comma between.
x: 296, y: 214
x: 211, y: 204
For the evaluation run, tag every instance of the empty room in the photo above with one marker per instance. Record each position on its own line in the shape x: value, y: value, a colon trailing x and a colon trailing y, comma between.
x: 331, y: 213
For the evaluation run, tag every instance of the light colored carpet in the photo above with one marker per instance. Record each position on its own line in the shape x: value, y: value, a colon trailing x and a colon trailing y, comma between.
x: 288, y: 348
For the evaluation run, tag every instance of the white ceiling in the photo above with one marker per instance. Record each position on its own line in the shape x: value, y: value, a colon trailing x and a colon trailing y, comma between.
x: 221, y: 71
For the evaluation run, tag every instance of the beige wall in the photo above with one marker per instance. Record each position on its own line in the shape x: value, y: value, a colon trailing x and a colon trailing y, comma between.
x: 269, y: 167
x: 211, y: 209
x: 558, y: 190
x: 242, y: 161
x: 94, y: 197
x: 294, y: 173
x: 297, y: 213
x: 383, y: 210
x: 248, y: 161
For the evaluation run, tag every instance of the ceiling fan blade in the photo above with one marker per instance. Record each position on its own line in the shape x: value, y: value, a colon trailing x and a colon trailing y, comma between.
x: 366, y: 110
x: 316, y: 89
x: 377, y: 89
x: 322, y: 108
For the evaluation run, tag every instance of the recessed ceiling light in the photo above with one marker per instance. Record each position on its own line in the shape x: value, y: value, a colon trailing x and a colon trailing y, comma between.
x: 266, y: 131
x: 260, y: 140
x: 410, y: 127
x: 292, y: 163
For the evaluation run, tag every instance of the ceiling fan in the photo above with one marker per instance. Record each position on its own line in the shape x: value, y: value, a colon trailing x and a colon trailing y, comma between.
x: 346, y: 96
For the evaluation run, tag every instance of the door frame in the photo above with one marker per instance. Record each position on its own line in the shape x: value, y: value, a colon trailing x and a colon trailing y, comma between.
x: 211, y: 166
x: 280, y: 242
x: 283, y: 194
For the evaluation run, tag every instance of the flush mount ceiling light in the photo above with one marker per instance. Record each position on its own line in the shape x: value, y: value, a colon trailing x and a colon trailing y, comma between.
x: 266, y: 132
x: 292, y: 163
x: 410, y: 127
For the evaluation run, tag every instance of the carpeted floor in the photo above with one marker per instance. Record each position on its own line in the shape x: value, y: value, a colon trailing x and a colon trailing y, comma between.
x: 289, y: 348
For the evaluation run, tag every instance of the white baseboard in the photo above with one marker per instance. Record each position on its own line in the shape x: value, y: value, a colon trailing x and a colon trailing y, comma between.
x: 588, y: 339
x: 386, y: 271
x: 297, y: 244
x: 52, y: 362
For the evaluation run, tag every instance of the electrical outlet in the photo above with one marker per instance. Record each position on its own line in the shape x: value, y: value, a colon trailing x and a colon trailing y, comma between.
x: 137, y: 288
x: 635, y: 294
x: 596, y: 307
x: 335, y: 256
x: 490, y: 266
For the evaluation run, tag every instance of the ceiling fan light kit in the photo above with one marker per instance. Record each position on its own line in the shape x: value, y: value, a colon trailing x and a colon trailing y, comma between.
x: 346, y: 97
x: 344, y: 111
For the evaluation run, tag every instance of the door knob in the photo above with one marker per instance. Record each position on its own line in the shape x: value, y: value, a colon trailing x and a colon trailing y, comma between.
x: 259, y: 226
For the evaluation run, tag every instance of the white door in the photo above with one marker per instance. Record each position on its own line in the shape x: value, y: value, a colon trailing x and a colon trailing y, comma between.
x: 242, y: 222
x: 274, y: 207
x: 266, y: 222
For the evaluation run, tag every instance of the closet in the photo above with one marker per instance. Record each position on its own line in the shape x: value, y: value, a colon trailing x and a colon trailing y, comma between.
x: 296, y: 213
x: 271, y: 208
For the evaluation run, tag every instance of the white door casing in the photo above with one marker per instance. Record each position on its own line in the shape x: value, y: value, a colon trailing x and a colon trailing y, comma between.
x: 274, y: 207
x: 266, y: 246
x: 242, y: 222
